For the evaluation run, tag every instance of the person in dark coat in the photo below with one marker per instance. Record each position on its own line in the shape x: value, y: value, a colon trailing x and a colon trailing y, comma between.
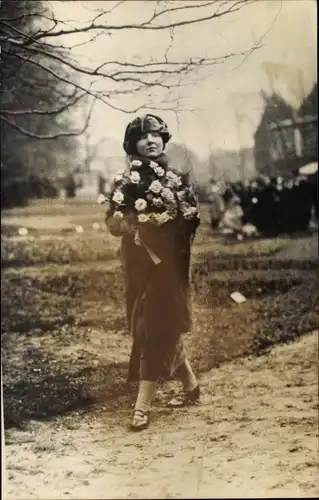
x: 157, y: 283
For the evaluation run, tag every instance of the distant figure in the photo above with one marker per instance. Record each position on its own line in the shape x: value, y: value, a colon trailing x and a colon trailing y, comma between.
x: 70, y: 186
x: 101, y: 184
x: 233, y: 216
x: 217, y: 205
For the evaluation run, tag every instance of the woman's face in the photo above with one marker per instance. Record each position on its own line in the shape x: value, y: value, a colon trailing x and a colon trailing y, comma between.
x: 150, y: 145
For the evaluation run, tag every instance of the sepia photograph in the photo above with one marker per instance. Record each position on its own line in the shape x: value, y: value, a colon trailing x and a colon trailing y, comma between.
x: 159, y: 249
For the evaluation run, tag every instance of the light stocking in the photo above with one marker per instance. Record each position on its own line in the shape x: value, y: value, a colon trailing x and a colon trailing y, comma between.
x: 145, y: 395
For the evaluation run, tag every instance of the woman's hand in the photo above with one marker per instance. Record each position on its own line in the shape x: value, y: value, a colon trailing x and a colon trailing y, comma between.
x: 120, y: 227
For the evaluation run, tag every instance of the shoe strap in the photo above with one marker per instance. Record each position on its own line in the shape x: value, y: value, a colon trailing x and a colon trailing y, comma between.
x: 140, y: 413
x: 179, y: 398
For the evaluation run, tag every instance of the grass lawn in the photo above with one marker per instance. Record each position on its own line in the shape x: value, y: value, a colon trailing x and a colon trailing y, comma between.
x: 64, y: 338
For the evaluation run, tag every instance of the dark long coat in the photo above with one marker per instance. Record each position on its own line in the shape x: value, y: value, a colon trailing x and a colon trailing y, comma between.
x: 157, y: 297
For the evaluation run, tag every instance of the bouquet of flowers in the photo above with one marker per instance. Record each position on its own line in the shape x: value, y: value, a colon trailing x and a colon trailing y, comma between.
x: 153, y: 194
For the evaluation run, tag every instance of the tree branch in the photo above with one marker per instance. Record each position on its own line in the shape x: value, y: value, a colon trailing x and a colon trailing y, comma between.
x: 235, y: 6
x: 32, y: 135
x: 57, y: 76
x: 23, y: 16
x: 46, y: 112
x: 121, y: 76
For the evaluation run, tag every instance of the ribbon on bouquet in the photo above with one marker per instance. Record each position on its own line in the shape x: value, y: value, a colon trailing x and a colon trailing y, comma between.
x: 138, y: 241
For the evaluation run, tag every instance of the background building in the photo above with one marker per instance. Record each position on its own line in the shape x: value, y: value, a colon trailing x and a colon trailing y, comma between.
x: 285, y: 140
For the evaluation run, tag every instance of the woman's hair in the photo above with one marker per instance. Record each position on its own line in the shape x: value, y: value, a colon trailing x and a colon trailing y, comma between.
x: 140, y: 126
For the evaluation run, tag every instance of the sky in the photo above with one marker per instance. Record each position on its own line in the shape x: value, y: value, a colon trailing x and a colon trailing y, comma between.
x: 225, y: 99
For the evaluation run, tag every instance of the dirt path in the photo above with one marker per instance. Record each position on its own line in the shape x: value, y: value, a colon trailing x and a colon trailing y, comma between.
x: 256, y: 434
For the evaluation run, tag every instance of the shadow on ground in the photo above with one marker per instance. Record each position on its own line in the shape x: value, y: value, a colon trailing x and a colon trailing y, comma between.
x: 64, y: 339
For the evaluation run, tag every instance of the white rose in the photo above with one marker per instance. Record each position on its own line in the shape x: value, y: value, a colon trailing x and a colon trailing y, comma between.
x: 135, y: 177
x: 185, y: 206
x: 118, y: 215
x: 155, y: 187
x: 165, y: 217
x: 168, y: 194
x: 181, y: 195
x: 189, y: 212
x: 155, y: 218
x: 140, y: 204
x: 162, y: 218
x: 153, y: 164
x: 118, y: 197
x: 175, y: 179
x: 170, y: 175
x: 159, y: 171
x: 136, y: 163
x: 101, y: 198
x: 157, y: 202
x: 143, y: 218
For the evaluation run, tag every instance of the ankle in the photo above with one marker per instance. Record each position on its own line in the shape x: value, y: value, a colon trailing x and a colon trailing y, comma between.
x: 145, y: 395
x: 144, y: 406
x: 189, y: 386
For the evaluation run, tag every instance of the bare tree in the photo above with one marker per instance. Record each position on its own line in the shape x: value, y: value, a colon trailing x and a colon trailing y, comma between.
x: 33, y: 37
x: 47, y: 92
x: 35, y: 96
x: 34, y: 104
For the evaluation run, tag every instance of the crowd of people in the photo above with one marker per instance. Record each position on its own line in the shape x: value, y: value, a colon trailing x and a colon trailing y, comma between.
x: 273, y: 205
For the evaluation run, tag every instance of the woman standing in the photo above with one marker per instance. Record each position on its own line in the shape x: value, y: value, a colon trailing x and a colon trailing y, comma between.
x: 156, y: 261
